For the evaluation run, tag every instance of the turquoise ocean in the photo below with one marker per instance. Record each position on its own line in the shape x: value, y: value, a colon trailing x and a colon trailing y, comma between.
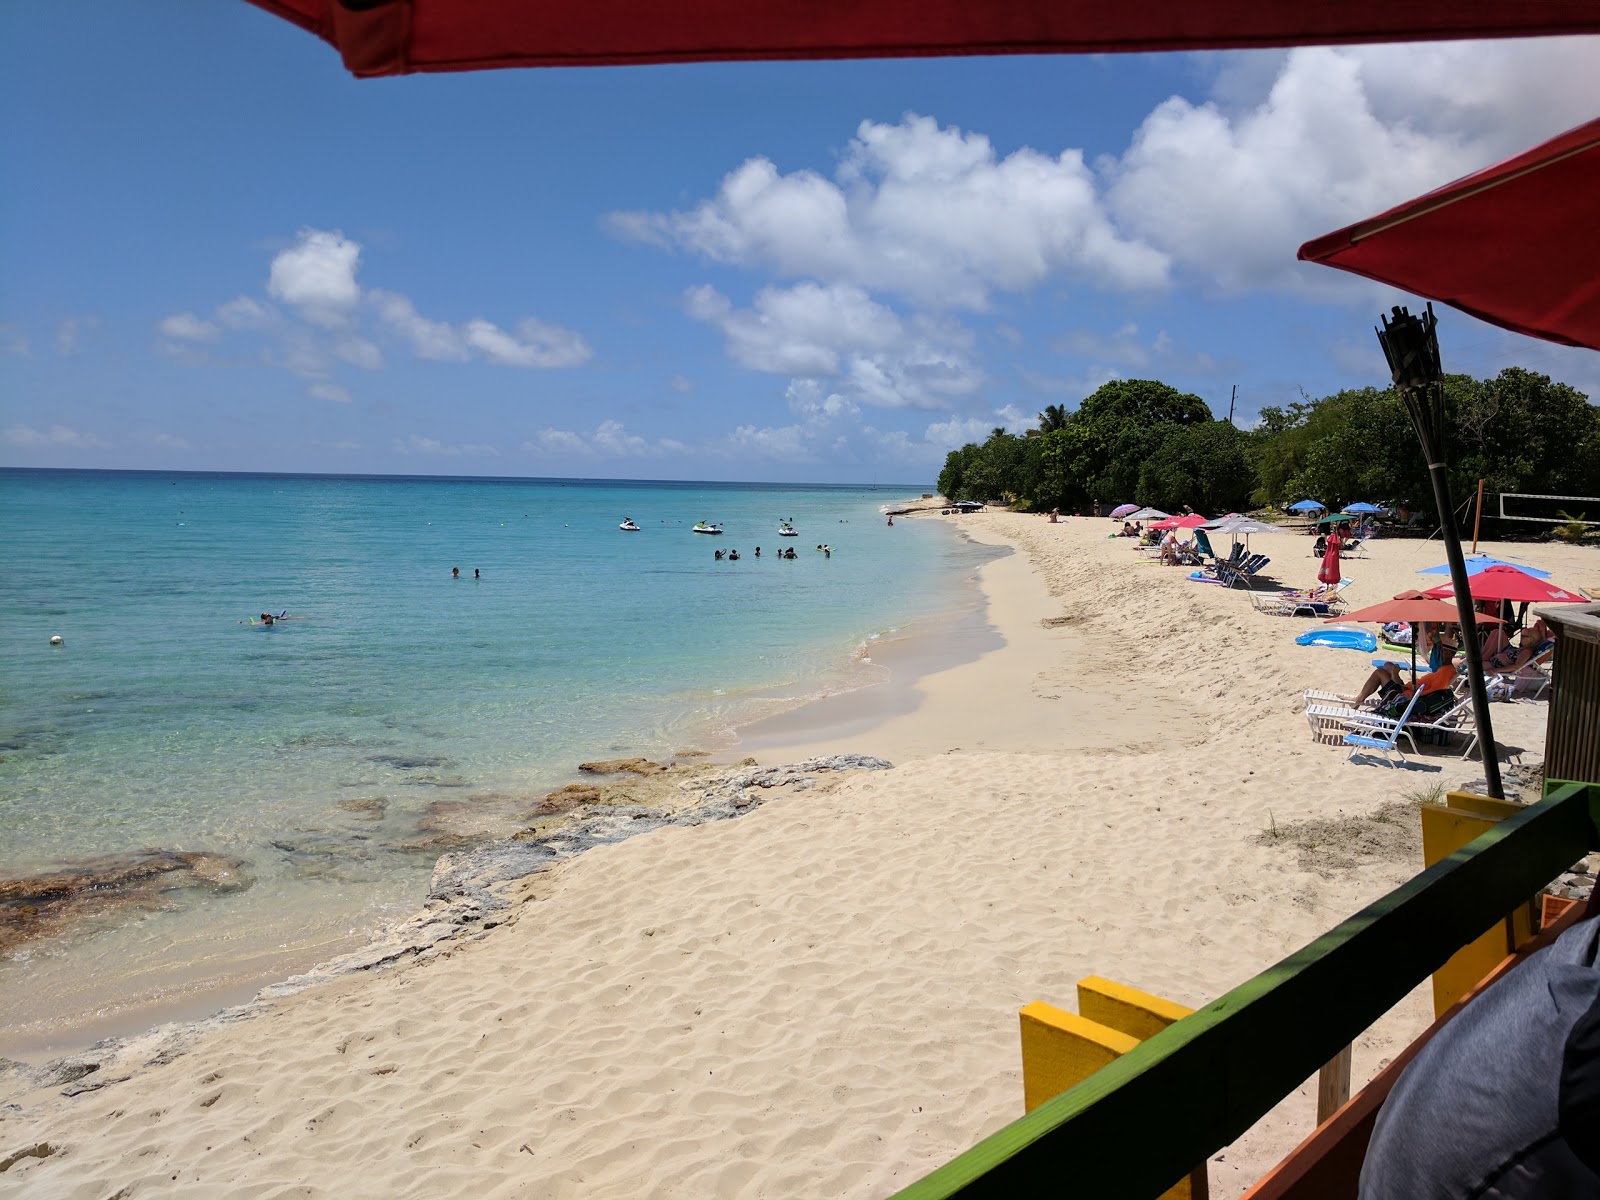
x: 317, y: 749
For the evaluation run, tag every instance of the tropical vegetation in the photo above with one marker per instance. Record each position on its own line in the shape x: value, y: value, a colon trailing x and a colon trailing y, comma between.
x: 1140, y: 440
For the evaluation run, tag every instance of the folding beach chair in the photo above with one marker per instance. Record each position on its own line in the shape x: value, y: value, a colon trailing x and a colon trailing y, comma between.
x: 1384, y: 741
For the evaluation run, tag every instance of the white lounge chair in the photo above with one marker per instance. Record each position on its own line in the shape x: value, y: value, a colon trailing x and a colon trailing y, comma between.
x: 1383, y: 741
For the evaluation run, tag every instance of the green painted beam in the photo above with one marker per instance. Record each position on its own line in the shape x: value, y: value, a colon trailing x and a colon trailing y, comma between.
x: 1137, y: 1126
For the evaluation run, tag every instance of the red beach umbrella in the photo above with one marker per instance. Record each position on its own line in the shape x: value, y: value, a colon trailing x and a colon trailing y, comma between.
x: 1514, y: 244
x: 1413, y: 607
x: 397, y: 37
x: 1187, y: 521
x: 1417, y: 609
x: 1508, y: 583
x: 1330, y: 563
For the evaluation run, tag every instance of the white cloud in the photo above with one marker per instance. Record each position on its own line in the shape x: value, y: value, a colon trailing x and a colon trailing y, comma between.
x: 432, y: 446
x: 317, y: 275
x: 165, y: 441
x: 243, y: 313
x: 929, y: 213
x: 839, y: 333
x: 329, y: 391
x: 958, y: 431
x: 187, y: 327
x: 680, y: 383
x: 534, y: 344
x: 608, y: 439
x: 434, y: 340
x: 1342, y: 134
x: 341, y: 447
x: 56, y: 436
x: 13, y: 342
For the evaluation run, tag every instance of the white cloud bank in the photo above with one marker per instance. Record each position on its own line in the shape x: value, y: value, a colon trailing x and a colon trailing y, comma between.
x: 323, y: 316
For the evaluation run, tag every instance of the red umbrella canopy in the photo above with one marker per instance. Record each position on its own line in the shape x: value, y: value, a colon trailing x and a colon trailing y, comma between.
x: 1188, y: 521
x: 396, y: 37
x: 1409, y: 607
x: 1508, y: 583
x: 1515, y: 244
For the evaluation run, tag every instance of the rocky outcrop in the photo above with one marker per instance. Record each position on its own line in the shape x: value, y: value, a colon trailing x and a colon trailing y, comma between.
x: 33, y: 906
x: 615, y: 766
x: 472, y: 891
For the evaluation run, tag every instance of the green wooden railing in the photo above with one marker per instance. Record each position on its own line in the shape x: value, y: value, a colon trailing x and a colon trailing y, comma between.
x: 1137, y: 1126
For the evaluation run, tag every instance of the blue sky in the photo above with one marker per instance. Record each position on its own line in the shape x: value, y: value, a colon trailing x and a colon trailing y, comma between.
x: 220, y: 251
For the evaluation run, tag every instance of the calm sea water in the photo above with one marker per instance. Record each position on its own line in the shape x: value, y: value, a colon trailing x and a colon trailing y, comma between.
x: 163, y: 721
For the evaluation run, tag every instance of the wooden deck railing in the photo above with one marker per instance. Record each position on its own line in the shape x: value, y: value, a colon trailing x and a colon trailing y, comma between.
x: 1135, y: 1127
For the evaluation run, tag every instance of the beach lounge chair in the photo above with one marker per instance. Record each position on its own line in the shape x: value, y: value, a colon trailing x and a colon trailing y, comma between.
x: 1244, y: 572
x: 1318, y: 602
x: 1330, y: 722
x: 1369, y: 739
x: 1534, y: 675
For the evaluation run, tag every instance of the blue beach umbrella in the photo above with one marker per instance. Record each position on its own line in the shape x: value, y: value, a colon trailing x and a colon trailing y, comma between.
x: 1482, y: 562
x: 1362, y: 506
x: 1305, y: 505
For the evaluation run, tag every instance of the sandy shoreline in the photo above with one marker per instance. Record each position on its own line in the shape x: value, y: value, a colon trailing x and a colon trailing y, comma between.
x: 820, y: 997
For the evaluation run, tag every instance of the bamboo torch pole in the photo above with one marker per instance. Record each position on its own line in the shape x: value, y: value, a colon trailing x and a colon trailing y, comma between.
x: 1477, y: 520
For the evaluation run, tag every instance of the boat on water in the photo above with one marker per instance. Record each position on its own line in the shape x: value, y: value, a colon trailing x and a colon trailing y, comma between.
x: 628, y: 526
x: 706, y: 527
x: 786, y: 530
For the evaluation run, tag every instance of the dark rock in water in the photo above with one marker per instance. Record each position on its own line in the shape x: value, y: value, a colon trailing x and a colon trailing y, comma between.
x: 371, y: 808
x: 34, y: 906
x: 613, y: 766
x: 409, y: 762
x: 564, y: 798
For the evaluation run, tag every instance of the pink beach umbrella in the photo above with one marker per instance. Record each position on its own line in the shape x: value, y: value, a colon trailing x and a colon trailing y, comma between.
x: 1189, y: 521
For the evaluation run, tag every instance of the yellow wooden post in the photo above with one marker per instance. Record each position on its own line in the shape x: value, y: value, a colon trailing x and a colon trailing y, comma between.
x: 1061, y: 1049
x: 1445, y: 829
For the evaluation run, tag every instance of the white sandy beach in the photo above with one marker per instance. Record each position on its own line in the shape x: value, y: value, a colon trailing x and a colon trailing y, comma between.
x: 820, y: 998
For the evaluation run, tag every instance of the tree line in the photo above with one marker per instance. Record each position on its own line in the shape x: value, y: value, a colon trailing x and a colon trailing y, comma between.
x: 1141, y: 441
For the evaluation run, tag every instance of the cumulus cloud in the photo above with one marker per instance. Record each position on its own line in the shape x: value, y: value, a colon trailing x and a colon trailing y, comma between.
x: 317, y: 276
x: 186, y: 327
x: 932, y: 214
x: 434, y: 340
x: 838, y: 332
x: 324, y: 317
x: 58, y: 436
x: 1342, y: 133
x: 534, y: 344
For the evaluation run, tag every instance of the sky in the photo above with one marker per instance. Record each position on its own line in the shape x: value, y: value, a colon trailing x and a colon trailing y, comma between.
x: 219, y: 251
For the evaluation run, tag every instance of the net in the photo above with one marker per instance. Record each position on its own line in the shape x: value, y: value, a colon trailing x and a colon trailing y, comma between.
x: 1550, y: 510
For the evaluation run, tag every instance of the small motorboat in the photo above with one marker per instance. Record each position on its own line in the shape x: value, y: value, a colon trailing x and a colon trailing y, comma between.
x: 786, y: 530
x: 706, y: 527
x: 628, y: 526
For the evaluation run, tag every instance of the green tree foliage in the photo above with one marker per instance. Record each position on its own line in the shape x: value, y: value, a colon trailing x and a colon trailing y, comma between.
x: 1140, y: 440
x: 1204, y: 466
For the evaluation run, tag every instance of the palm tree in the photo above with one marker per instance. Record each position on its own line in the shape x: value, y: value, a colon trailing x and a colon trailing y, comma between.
x: 1052, y: 418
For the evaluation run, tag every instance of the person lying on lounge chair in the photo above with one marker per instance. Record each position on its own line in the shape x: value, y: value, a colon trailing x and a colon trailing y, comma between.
x: 1508, y: 660
x: 1388, y: 683
x: 1394, y: 694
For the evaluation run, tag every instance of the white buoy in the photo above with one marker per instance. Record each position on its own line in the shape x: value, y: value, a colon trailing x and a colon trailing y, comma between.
x: 55, y: 639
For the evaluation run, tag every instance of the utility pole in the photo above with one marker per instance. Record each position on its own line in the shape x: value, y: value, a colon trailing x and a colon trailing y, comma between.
x: 1231, y: 399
